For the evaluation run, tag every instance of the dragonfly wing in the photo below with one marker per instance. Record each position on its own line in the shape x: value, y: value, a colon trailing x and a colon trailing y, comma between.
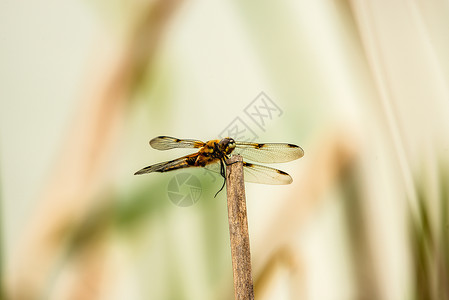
x: 266, y: 175
x: 167, y: 142
x: 179, y: 163
x: 214, y: 166
x: 268, y: 152
x: 256, y: 173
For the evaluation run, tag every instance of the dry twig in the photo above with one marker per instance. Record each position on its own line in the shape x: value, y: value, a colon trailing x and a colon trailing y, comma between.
x: 238, y: 229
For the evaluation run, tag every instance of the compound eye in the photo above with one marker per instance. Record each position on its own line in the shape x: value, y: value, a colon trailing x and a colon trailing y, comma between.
x: 231, y: 144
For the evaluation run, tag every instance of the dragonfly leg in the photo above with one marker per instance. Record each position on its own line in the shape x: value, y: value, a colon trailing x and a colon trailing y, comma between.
x: 222, y: 173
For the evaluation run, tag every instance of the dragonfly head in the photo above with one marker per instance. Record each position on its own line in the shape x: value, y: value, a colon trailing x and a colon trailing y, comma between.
x: 227, y: 145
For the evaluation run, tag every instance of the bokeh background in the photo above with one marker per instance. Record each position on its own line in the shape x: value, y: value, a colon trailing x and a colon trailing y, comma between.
x: 363, y: 87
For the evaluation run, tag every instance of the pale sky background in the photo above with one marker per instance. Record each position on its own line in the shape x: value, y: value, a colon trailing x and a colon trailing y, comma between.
x: 43, y: 54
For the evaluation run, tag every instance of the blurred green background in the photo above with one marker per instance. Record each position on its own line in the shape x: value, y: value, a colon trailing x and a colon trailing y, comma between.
x: 361, y: 86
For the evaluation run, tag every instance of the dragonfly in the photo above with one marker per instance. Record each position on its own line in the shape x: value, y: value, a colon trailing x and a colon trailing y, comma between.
x: 213, y: 154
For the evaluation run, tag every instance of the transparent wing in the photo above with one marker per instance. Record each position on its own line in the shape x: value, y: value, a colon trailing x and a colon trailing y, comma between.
x: 268, y: 152
x: 214, y: 166
x: 266, y: 175
x: 256, y: 173
x: 168, y: 142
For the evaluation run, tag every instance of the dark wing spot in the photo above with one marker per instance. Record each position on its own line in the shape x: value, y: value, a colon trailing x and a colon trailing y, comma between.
x: 257, y: 146
x: 292, y: 146
x: 247, y: 164
x: 177, y: 140
x: 281, y: 172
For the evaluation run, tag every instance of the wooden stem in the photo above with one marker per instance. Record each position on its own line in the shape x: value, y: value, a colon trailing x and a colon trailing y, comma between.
x: 238, y: 229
